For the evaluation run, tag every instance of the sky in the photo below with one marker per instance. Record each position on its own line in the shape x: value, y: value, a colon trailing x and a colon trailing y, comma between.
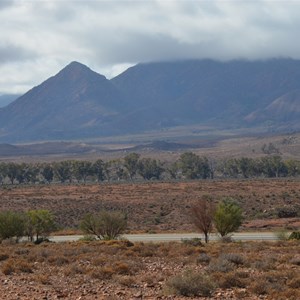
x: 40, y: 37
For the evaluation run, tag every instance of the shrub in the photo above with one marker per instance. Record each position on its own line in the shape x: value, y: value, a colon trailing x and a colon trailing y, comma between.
x: 295, y: 235
x: 126, y: 280
x: 102, y: 273
x: 230, y: 280
x: 104, y: 225
x: 121, y: 268
x: 287, y: 212
x: 24, y: 266
x: 191, y: 284
x: 8, y: 267
x: 235, y: 258
x: 260, y: 286
x: 282, y: 234
x: 203, y: 258
x: 192, y: 242
x: 221, y: 265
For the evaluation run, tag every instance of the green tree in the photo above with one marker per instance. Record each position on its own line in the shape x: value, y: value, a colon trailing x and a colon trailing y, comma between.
x: 39, y: 223
x: 273, y: 166
x: 104, y: 225
x: 131, y: 164
x: 63, y: 171
x: 12, y: 225
x: 3, y: 172
x: 173, y: 169
x: 193, y: 166
x: 150, y: 168
x: 47, y: 172
x: 114, y: 170
x: 293, y: 167
x: 228, y: 217
x: 12, y: 171
x: 82, y: 169
x: 98, y: 169
x: 203, y: 212
x: 27, y: 173
x: 246, y: 166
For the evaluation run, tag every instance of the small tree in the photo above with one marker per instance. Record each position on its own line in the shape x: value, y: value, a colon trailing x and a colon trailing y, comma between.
x: 131, y: 164
x: 98, y: 169
x: 150, y: 168
x: 12, y: 224
x: 47, y: 172
x: 63, y: 171
x: 228, y: 217
x: 194, y: 167
x: 104, y: 225
x: 39, y: 223
x: 203, y: 215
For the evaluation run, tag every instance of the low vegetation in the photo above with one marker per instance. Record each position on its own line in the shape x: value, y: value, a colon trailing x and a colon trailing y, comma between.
x: 123, y: 270
x: 33, y: 223
x: 104, y: 225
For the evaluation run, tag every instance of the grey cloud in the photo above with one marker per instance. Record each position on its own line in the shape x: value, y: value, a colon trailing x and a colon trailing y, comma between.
x: 107, y: 33
x: 6, y: 3
x: 12, y: 53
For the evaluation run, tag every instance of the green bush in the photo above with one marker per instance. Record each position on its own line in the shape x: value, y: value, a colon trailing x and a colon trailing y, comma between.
x: 12, y: 225
x: 228, y: 217
x: 295, y: 235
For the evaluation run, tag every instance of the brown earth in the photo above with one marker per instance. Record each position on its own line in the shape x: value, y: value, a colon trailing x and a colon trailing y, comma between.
x: 159, y: 206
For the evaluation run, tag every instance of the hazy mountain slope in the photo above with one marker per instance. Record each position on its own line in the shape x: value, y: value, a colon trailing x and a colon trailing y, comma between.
x: 7, y: 98
x: 206, y: 90
x: 285, y: 109
x: 70, y: 104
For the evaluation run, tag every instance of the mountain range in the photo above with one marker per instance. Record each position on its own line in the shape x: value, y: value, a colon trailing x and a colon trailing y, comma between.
x: 78, y: 103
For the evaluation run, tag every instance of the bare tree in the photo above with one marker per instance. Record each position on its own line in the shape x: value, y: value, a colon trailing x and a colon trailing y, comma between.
x: 202, y: 213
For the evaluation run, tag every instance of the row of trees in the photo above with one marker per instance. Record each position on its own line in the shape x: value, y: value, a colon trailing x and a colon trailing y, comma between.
x: 133, y: 167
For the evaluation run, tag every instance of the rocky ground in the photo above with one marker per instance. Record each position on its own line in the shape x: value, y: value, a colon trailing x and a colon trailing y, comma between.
x: 122, y: 270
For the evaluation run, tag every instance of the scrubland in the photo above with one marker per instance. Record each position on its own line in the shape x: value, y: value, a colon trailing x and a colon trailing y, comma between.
x: 123, y: 270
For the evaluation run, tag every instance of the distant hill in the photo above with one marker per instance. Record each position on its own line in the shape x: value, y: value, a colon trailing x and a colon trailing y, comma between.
x: 6, y: 99
x: 78, y: 103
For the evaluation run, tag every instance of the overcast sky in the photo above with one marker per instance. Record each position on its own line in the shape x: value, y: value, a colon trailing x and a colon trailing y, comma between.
x: 39, y: 37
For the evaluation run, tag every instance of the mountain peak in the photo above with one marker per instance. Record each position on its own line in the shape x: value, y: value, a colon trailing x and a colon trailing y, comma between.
x: 77, y: 70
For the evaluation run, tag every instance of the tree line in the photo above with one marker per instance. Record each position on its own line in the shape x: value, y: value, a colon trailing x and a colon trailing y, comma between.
x: 133, y: 167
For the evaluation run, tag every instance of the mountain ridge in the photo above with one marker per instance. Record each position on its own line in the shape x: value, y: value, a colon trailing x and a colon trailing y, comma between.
x: 79, y: 103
